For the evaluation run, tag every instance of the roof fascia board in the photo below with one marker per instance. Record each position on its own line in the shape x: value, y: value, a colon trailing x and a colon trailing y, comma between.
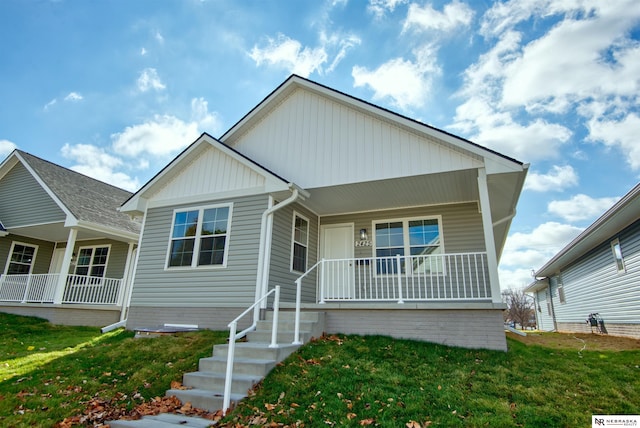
x: 138, y: 202
x: 197, y: 199
x: 582, y: 239
x: 47, y: 189
x: 498, y: 162
x: 128, y: 236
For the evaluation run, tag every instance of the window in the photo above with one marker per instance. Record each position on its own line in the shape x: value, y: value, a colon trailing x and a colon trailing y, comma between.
x: 617, y: 255
x: 412, y: 237
x: 200, y: 237
x: 561, y: 296
x: 21, y: 258
x: 92, y: 261
x: 300, y: 247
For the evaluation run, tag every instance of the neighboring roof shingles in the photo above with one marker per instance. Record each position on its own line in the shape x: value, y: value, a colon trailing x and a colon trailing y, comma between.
x: 88, y: 199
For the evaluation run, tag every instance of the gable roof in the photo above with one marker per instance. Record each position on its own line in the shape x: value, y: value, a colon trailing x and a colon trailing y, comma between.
x: 294, y: 82
x: 137, y: 202
x: 622, y: 214
x: 88, y: 200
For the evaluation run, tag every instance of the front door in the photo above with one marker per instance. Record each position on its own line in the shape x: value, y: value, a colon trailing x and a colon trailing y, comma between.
x: 338, y: 273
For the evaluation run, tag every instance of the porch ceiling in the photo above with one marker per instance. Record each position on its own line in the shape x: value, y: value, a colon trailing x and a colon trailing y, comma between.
x: 431, y: 189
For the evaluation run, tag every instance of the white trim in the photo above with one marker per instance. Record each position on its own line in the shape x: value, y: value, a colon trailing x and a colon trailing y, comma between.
x: 198, y: 238
x: 195, y: 199
x: 24, y: 244
x: 293, y: 242
x: 489, y: 239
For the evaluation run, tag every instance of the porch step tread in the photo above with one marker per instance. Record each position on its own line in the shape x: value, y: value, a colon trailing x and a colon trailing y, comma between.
x: 204, y: 398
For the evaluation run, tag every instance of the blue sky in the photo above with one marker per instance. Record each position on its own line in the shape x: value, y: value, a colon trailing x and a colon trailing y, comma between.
x: 115, y: 89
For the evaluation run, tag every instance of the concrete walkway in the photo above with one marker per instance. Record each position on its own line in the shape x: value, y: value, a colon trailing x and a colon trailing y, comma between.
x: 163, y: 420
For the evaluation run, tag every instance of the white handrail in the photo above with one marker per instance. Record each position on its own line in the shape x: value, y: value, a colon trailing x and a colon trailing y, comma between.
x: 296, y: 332
x: 233, y: 326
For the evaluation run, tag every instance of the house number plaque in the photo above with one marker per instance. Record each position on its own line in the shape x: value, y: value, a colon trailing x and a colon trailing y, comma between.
x: 364, y: 244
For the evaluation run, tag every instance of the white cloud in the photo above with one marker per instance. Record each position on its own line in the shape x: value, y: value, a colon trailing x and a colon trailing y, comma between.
x: 143, y: 51
x: 50, y: 104
x: 149, y: 79
x: 289, y: 54
x: 453, y: 15
x: 406, y: 83
x: 581, y: 207
x: 94, y: 162
x: 557, y: 179
x: 6, y: 147
x: 73, y: 96
x: 380, y: 7
x: 165, y: 134
x: 621, y: 134
x: 343, y: 43
x: 524, y: 252
x: 159, y: 38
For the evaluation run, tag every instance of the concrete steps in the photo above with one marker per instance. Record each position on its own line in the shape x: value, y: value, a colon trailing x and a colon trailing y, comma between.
x: 254, y: 359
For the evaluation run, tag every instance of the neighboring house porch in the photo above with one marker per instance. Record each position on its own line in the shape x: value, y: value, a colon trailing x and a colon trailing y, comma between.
x: 66, y: 254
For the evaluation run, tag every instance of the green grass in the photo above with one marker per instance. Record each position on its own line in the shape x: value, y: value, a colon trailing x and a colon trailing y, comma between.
x: 48, y: 373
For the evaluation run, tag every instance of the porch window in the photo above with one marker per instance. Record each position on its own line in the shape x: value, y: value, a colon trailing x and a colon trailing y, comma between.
x: 200, y: 237
x: 419, y: 238
x: 92, y: 261
x: 21, y: 258
x: 300, y: 245
x: 617, y: 255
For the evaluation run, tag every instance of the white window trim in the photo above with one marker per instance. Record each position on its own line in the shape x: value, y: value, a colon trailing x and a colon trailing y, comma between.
x: 197, y: 237
x: 90, y: 265
x: 293, y: 241
x: 616, y: 243
x: 33, y: 262
x: 405, y: 238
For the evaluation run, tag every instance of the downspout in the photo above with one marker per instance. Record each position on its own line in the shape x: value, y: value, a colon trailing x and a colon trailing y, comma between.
x: 261, y: 278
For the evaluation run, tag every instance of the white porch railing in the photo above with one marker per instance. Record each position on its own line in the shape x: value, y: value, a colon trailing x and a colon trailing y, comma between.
x: 437, y: 277
x: 40, y: 288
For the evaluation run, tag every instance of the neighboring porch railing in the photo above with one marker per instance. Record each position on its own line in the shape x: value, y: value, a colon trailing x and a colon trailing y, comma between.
x: 40, y: 288
x: 437, y: 277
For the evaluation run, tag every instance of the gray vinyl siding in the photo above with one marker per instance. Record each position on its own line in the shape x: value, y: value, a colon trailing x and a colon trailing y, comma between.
x: 117, y: 255
x: 230, y: 286
x: 593, y: 284
x: 24, y: 201
x: 43, y: 256
x: 280, y: 271
x: 544, y: 320
x: 461, y: 225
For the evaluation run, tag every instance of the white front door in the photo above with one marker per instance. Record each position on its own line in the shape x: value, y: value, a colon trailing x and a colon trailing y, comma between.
x: 338, y: 273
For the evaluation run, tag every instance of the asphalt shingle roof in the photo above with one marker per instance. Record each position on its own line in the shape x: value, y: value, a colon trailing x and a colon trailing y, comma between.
x: 88, y: 199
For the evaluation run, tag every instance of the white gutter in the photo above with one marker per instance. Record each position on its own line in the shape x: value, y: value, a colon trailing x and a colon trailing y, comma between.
x: 262, y: 272
x: 502, y: 220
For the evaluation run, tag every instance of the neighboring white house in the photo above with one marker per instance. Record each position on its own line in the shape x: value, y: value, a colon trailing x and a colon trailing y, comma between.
x: 66, y: 253
x: 392, y: 226
x: 598, y: 272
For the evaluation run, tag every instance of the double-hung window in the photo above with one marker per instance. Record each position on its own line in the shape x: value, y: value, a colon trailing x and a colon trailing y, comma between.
x: 300, y: 247
x: 200, y: 237
x: 21, y: 258
x: 92, y: 261
x: 418, y: 238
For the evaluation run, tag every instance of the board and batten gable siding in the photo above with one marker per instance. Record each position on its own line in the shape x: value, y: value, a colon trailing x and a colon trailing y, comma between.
x: 593, y: 283
x: 461, y: 225
x: 280, y: 271
x: 25, y: 202
x: 43, y: 255
x: 230, y: 286
x: 211, y: 172
x: 316, y: 141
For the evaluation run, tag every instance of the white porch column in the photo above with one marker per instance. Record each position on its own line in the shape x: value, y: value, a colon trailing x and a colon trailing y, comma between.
x: 66, y: 264
x: 490, y: 243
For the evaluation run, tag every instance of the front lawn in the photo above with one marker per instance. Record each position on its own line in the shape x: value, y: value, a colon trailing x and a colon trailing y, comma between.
x: 49, y: 373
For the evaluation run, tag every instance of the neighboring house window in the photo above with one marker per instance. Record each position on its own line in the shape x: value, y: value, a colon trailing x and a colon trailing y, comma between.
x: 21, y: 258
x: 561, y: 296
x: 92, y: 261
x: 617, y: 255
x: 300, y: 248
x: 200, y: 237
x: 408, y: 237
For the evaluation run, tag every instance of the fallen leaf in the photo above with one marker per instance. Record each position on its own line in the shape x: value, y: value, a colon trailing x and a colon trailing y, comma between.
x: 369, y: 421
x: 413, y: 424
x: 269, y: 406
x: 351, y: 416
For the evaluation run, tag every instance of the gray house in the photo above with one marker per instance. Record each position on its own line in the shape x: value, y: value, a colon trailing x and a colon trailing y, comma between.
x: 598, y: 272
x: 66, y: 253
x: 387, y: 225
